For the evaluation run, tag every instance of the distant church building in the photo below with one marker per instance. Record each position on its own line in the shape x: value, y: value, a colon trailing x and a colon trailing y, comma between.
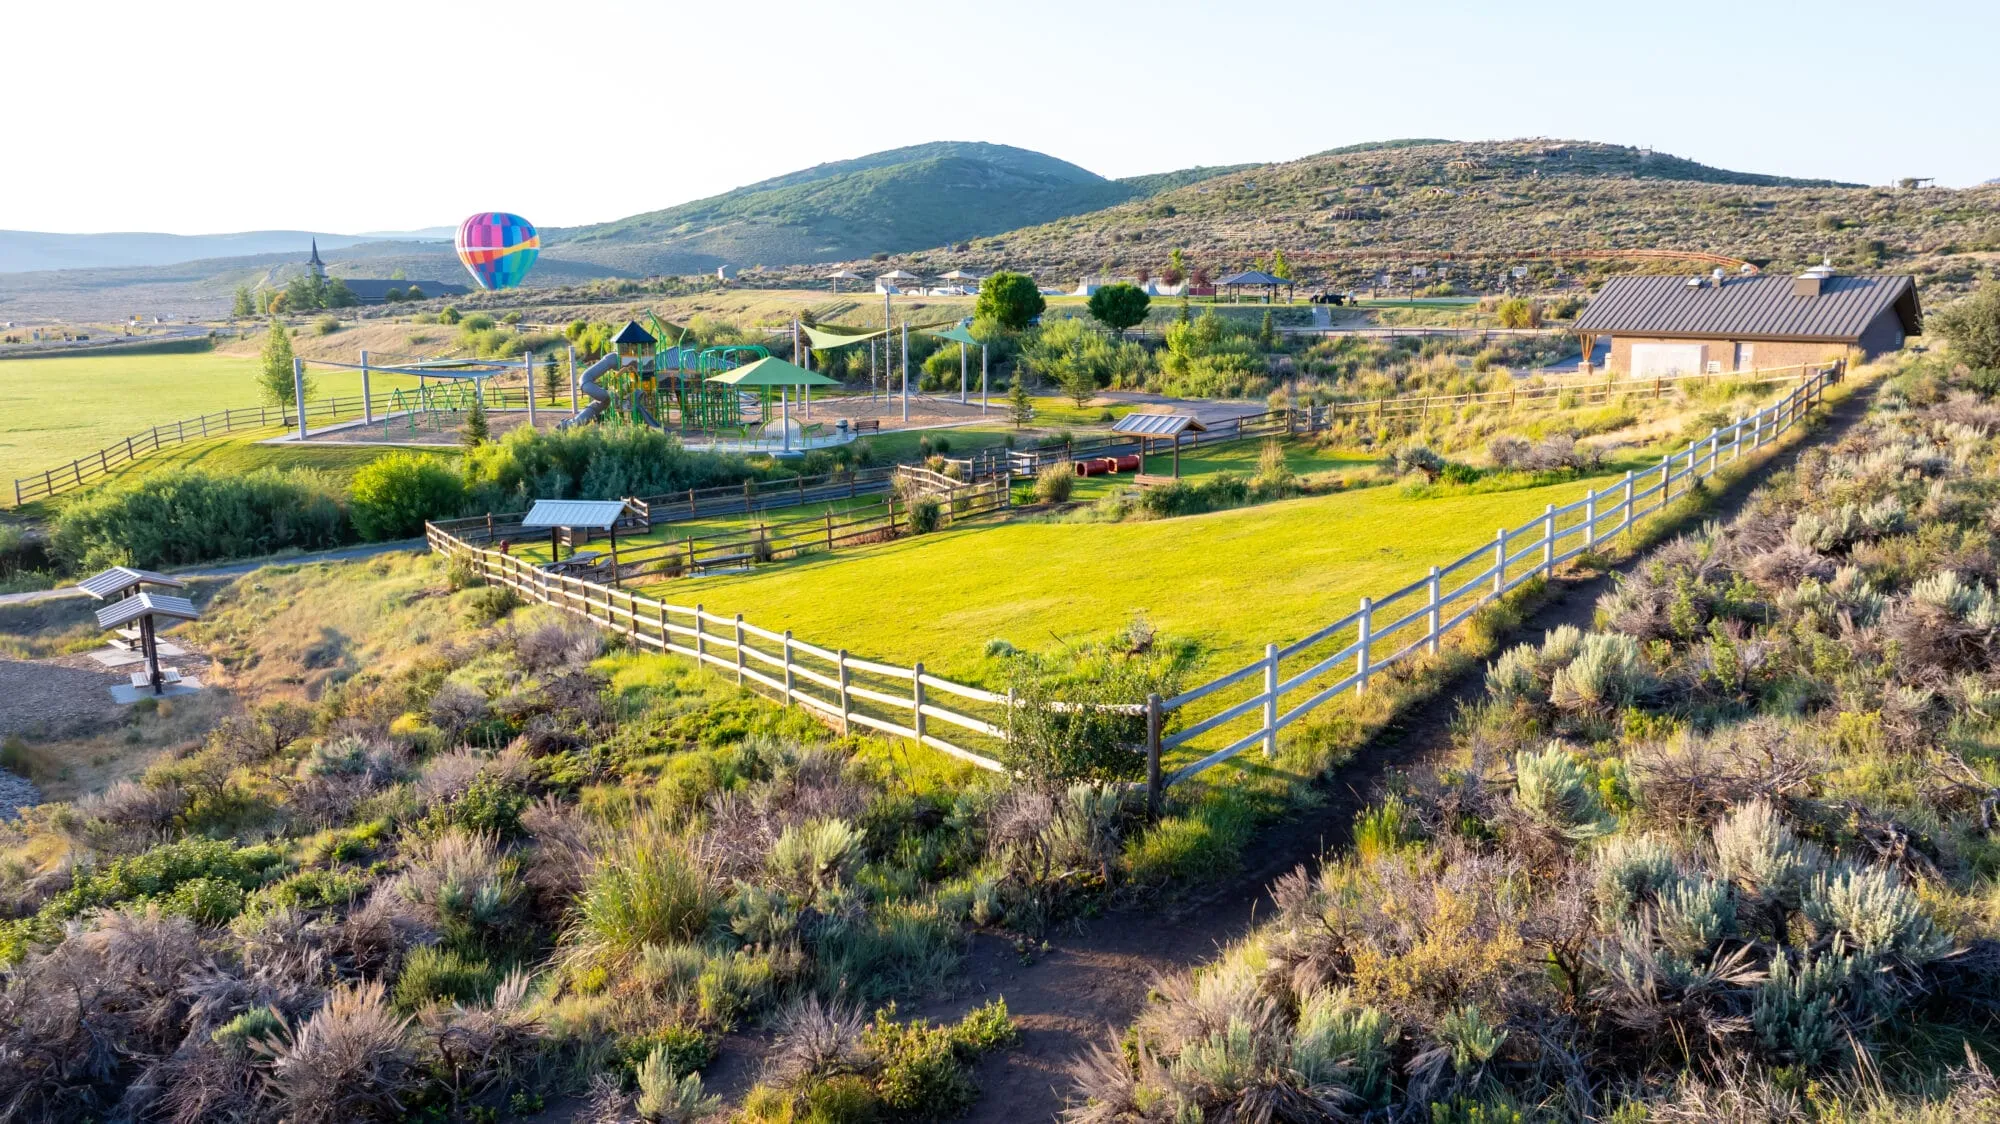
x: 369, y: 290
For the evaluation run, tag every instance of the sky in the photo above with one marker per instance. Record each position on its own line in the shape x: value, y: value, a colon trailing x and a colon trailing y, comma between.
x: 212, y: 116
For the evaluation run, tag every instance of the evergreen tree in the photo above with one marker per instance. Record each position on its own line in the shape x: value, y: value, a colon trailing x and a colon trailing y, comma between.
x: 551, y: 376
x: 1267, y: 333
x: 245, y: 305
x: 274, y: 376
x: 1020, y: 408
x: 1280, y: 268
x: 476, y: 431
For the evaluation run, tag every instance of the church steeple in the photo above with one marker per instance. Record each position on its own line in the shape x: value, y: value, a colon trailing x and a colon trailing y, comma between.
x: 313, y: 263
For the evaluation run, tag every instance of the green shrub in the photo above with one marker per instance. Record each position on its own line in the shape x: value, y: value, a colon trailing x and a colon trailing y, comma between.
x: 178, y: 518
x: 477, y: 322
x: 647, y: 889
x: 449, y: 314
x: 392, y: 496
x: 670, y: 1097
x: 685, y: 1048
x: 926, y: 515
x: 433, y: 974
x: 327, y: 325
x: 590, y: 462
x: 489, y: 805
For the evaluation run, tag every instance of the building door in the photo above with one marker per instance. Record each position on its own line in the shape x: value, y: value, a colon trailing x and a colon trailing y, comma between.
x: 1746, y: 356
x: 1662, y: 360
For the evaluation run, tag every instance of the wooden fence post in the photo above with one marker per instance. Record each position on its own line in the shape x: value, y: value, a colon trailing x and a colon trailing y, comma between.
x: 1666, y: 479
x: 1270, y: 700
x: 840, y: 664
x: 1500, y: 562
x: 829, y: 528
x: 739, y: 649
x: 700, y: 645
x: 917, y: 701
x: 1432, y: 616
x: 788, y: 667
x: 1365, y: 633
x: 1625, y: 520
x: 666, y: 638
x: 1153, y: 754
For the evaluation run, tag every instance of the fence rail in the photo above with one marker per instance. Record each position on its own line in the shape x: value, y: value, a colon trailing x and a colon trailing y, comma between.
x: 1248, y: 706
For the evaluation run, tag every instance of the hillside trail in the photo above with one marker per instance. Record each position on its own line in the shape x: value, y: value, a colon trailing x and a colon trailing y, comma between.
x: 1093, y: 980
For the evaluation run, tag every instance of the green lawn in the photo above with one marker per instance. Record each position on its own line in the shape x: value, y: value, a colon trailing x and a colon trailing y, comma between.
x: 1233, y: 580
x: 55, y: 410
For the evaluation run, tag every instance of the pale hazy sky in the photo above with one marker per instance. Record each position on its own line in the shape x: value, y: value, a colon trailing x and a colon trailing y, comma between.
x: 210, y: 116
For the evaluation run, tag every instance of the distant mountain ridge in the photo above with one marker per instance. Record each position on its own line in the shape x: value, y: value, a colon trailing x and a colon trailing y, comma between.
x: 23, y: 251
x: 885, y: 202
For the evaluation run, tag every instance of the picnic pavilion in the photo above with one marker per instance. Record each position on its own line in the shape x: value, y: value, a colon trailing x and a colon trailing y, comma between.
x: 1256, y: 279
x: 1149, y: 428
x: 563, y: 518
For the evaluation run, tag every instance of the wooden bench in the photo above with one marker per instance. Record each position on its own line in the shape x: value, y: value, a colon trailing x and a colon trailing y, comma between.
x: 1153, y: 480
x: 871, y: 425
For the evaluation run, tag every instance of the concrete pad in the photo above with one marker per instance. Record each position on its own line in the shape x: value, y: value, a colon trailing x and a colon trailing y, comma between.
x: 120, y: 657
x: 127, y: 694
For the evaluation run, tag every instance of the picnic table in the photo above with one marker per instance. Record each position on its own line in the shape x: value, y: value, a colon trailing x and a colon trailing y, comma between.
x: 581, y: 562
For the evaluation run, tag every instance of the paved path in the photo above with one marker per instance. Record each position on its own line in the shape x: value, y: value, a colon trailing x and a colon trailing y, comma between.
x: 344, y: 554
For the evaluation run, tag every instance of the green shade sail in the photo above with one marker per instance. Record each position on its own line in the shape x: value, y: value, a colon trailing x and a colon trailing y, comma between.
x: 772, y: 371
x: 823, y: 340
x: 956, y: 334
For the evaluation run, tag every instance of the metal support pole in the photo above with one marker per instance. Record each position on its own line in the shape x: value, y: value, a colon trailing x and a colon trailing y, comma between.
x: 906, y: 372
x: 528, y: 365
x: 962, y: 361
x: 982, y: 378
x: 299, y: 392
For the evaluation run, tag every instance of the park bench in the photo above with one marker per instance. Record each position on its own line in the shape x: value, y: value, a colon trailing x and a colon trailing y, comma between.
x: 870, y: 425
x: 168, y: 675
x: 1153, y: 480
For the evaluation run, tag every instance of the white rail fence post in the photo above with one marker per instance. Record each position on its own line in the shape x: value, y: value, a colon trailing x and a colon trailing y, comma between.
x: 788, y: 667
x: 917, y: 701
x: 1499, y: 561
x: 1270, y: 700
x: 1432, y: 616
x: 1548, y: 566
x: 739, y: 649
x: 1364, y: 634
x: 840, y: 664
x: 700, y: 644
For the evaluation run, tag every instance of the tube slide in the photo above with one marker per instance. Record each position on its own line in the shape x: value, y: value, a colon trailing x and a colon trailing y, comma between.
x: 600, y: 397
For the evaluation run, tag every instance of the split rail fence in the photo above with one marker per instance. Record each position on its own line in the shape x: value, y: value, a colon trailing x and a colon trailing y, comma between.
x: 1203, y: 726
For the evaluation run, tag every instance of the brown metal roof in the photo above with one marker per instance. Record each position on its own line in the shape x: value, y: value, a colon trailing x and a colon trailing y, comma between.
x: 1749, y: 308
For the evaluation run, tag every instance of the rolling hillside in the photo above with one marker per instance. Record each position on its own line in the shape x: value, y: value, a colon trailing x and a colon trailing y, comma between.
x: 1481, y: 208
x: 902, y: 199
x: 23, y: 251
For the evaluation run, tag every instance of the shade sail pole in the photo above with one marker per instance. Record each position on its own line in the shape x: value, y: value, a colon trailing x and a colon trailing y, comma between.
x: 906, y: 373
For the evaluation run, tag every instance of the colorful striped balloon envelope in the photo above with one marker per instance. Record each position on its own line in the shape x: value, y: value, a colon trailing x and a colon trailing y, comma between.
x: 497, y: 248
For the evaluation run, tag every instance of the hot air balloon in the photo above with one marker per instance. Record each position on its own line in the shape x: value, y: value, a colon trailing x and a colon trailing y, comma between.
x: 498, y: 248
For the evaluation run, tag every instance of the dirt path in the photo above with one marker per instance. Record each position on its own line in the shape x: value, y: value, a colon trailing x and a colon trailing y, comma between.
x: 1094, y: 981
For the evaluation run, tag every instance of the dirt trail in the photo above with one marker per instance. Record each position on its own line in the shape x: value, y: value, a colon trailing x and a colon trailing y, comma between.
x: 1094, y: 981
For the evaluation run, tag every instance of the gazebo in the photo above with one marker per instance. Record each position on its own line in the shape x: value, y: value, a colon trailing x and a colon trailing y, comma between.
x: 1256, y: 278
x: 961, y: 276
x: 773, y: 371
x: 1150, y: 427
x: 558, y: 516
x: 839, y: 275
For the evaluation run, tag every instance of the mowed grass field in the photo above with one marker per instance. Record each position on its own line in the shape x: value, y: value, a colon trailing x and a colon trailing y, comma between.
x: 1231, y: 580
x: 55, y: 410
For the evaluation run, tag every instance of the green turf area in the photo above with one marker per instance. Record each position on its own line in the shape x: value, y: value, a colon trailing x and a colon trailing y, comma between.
x: 1233, y: 580
x: 55, y: 410
x: 536, y: 549
x: 230, y: 456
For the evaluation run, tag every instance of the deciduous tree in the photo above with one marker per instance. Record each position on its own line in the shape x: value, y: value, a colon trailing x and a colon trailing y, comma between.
x: 1010, y: 300
x: 1119, y: 306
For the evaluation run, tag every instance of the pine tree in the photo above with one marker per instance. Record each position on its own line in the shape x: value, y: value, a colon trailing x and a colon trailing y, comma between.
x: 1267, y: 333
x: 551, y: 376
x: 476, y: 431
x: 245, y: 304
x: 1020, y: 408
x: 274, y: 376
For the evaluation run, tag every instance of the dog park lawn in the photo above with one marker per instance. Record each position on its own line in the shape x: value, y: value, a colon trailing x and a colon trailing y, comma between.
x: 1231, y: 580
x: 55, y: 410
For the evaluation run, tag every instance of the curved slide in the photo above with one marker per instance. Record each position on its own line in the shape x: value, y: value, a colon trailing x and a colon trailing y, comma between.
x: 600, y: 397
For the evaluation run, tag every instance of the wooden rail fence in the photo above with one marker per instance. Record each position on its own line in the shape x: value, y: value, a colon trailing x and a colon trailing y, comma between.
x: 1219, y: 719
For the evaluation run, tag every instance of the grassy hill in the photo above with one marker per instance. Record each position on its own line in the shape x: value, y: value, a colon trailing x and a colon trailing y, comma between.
x: 902, y: 199
x: 1483, y: 207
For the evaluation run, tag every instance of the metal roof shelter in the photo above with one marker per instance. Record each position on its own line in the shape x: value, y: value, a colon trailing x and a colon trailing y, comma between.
x: 839, y: 275
x: 577, y: 515
x: 123, y: 581
x: 1815, y: 306
x: 142, y: 608
x: 1147, y: 427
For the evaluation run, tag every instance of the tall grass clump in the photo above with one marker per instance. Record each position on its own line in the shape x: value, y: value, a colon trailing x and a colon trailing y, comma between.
x: 176, y: 519
x: 649, y: 888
